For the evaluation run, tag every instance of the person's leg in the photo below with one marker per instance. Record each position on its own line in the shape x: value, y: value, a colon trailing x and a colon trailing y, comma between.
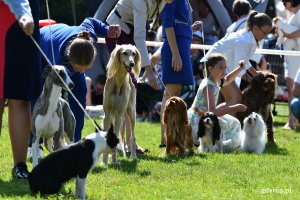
x: 291, y: 120
x: 2, y: 102
x: 173, y: 90
x: 19, y: 128
x: 80, y: 93
x: 295, y: 107
x: 231, y: 94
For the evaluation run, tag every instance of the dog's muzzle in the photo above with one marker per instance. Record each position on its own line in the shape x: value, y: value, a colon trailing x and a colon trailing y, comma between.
x: 129, y: 68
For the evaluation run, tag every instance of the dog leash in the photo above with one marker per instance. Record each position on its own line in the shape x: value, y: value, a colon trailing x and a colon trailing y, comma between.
x: 159, y: 78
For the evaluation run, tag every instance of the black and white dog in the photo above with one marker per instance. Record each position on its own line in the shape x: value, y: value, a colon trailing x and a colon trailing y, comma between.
x: 52, y: 117
x: 75, y: 160
x: 209, y: 132
x: 254, y: 134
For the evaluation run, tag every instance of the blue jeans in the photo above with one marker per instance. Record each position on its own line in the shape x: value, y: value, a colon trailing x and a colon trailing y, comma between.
x: 295, y: 107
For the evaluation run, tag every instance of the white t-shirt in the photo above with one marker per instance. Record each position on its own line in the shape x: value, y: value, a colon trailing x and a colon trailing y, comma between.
x: 235, y: 46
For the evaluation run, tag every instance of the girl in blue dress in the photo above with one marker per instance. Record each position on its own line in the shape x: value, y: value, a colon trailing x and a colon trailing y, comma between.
x: 175, y: 52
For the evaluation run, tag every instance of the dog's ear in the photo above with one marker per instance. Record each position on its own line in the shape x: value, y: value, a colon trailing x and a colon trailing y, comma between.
x: 137, y: 61
x: 47, y: 71
x: 165, y: 115
x: 114, y: 62
x: 216, y: 129
x: 201, y: 128
x: 111, y: 139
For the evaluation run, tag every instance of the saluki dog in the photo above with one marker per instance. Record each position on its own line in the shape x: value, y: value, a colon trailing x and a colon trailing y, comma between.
x: 120, y: 92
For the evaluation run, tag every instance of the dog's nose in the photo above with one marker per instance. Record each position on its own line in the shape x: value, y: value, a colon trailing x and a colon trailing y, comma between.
x: 250, y: 120
x: 131, y: 64
x: 71, y: 86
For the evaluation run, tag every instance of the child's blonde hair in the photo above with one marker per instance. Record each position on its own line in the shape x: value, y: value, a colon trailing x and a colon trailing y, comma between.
x: 212, y: 60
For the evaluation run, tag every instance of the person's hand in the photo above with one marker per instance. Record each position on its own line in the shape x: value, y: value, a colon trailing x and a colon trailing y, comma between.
x: 155, y: 59
x: 114, y: 31
x: 176, y: 63
x: 27, y: 24
x: 151, y: 77
x: 287, y: 35
x: 197, y: 26
x: 242, y: 64
x: 239, y: 107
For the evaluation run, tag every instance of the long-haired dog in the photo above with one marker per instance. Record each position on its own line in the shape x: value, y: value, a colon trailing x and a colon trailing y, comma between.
x: 253, y: 134
x: 209, y: 133
x: 258, y: 97
x: 73, y: 161
x: 178, y: 129
x: 52, y: 117
x: 120, y: 92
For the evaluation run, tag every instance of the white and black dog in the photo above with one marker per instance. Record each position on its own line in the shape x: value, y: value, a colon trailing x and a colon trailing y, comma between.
x: 209, y: 132
x: 253, y: 134
x: 52, y: 117
x: 75, y: 160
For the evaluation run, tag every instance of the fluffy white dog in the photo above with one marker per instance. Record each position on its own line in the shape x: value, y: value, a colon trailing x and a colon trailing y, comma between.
x: 253, y: 134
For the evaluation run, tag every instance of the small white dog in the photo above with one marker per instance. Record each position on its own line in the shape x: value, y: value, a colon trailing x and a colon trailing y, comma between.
x: 253, y: 134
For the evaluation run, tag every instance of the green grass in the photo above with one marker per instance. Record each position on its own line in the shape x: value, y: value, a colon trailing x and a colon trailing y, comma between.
x: 273, y: 175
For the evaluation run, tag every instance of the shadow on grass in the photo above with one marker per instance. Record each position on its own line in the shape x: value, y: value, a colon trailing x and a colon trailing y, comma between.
x: 18, y: 188
x: 273, y: 148
x: 172, y: 158
x: 279, y: 124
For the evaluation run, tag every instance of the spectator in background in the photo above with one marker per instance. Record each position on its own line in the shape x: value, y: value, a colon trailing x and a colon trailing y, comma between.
x: 291, y: 62
x: 295, y: 102
x: 196, y: 55
x: 95, y: 90
x: 201, y: 12
x: 20, y: 74
x: 241, y: 9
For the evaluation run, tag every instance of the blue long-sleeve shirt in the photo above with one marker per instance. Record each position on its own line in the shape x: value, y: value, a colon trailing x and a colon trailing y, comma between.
x: 62, y: 34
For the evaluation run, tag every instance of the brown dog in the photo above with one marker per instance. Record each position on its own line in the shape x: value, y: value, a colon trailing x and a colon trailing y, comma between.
x: 258, y: 97
x: 178, y: 129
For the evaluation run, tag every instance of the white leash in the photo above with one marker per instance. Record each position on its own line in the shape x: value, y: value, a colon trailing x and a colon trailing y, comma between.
x: 51, y: 40
x: 205, y: 71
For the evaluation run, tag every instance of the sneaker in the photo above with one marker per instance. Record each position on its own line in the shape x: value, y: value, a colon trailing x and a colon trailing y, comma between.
x: 20, y: 171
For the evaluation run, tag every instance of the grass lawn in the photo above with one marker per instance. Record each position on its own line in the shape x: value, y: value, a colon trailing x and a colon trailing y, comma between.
x: 273, y: 175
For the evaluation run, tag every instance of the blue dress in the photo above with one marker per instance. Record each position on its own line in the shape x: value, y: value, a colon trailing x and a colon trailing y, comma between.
x: 177, y: 15
x: 62, y: 34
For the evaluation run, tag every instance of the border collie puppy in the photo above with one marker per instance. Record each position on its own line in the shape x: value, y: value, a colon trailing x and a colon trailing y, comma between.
x: 72, y: 161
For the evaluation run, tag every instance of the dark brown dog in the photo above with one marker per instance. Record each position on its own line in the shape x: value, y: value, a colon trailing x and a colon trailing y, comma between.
x: 178, y: 129
x: 258, y: 97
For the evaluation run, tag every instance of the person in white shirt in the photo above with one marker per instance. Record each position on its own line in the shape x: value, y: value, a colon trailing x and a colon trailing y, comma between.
x: 133, y: 16
x: 241, y: 46
x: 291, y: 63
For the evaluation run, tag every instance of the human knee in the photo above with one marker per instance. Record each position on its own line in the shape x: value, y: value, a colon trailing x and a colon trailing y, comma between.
x: 295, y: 107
